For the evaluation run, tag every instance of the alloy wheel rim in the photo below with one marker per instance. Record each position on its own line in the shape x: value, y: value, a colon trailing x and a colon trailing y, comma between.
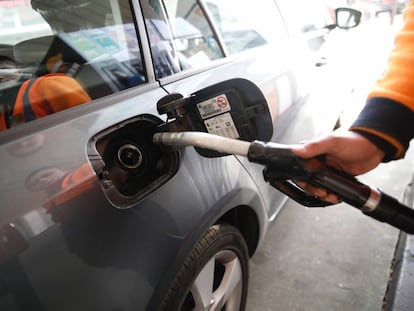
x: 219, y: 285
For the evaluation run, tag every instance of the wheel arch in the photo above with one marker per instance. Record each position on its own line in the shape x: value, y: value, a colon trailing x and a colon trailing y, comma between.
x: 244, y: 218
x: 242, y: 209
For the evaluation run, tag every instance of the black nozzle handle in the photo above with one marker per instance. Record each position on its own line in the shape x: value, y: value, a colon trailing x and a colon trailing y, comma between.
x: 371, y: 201
x: 391, y: 211
x: 282, y: 163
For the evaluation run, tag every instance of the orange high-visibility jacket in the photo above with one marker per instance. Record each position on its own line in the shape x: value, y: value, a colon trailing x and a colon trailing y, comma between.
x: 388, y: 116
x: 72, y: 185
x: 39, y: 97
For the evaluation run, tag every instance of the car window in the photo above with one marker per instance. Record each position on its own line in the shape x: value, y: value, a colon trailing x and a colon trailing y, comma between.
x: 303, y: 16
x: 187, y: 35
x: 180, y: 36
x: 243, y: 24
x: 56, y: 55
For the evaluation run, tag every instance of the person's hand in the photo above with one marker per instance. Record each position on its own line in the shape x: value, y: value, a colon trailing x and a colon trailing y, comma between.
x: 344, y: 150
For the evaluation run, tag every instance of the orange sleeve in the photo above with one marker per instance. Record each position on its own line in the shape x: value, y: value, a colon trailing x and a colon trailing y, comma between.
x: 387, y: 118
x: 398, y: 81
x: 61, y: 92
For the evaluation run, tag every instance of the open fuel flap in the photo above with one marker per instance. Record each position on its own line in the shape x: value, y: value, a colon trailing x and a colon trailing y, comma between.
x: 233, y: 108
x: 130, y: 166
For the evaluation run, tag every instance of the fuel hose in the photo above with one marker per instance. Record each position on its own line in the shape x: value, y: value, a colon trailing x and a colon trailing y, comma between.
x: 282, y: 163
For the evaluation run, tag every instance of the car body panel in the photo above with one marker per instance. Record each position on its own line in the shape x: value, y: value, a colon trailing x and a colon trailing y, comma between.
x: 69, y: 247
x: 94, y: 238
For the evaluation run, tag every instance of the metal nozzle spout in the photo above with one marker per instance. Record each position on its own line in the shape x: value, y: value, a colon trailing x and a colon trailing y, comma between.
x: 203, y: 140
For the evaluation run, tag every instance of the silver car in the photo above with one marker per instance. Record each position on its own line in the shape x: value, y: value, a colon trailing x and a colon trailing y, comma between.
x: 93, y: 215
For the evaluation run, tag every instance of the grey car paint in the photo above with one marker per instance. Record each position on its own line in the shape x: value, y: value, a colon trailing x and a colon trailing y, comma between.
x: 78, y: 251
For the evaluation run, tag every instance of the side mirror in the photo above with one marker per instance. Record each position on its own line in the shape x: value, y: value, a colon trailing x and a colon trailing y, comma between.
x: 347, y: 18
x: 234, y: 108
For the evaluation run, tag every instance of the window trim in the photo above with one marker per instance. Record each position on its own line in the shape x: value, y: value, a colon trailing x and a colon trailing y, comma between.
x: 213, y: 27
x: 142, y: 33
x: 250, y: 53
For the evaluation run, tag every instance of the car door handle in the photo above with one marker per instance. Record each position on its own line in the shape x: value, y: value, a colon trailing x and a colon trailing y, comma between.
x: 322, y: 61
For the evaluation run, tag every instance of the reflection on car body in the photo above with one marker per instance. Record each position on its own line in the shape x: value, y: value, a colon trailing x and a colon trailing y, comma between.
x: 93, y: 215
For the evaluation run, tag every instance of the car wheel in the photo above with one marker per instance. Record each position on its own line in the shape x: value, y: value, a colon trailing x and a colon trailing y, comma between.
x: 214, y: 275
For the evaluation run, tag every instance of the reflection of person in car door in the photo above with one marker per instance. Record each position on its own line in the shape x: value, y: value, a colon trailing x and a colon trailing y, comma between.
x: 47, y: 94
x: 44, y: 95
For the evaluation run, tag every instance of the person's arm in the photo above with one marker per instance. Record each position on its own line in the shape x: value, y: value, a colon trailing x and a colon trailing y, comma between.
x: 387, y: 119
x: 385, y: 126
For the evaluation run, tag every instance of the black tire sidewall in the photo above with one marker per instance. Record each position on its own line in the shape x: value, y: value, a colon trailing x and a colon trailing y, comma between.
x: 217, y: 238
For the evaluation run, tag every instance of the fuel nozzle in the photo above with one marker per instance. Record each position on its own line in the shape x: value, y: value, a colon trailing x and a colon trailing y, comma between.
x: 282, y: 165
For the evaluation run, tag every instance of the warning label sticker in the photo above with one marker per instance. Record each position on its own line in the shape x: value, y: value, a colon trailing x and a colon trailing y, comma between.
x: 222, y: 125
x: 213, y: 106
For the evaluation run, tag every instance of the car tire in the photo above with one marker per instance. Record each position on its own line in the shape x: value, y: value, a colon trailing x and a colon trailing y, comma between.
x: 215, y: 274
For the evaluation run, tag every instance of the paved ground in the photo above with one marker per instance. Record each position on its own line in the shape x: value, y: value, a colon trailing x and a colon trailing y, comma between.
x: 334, y: 258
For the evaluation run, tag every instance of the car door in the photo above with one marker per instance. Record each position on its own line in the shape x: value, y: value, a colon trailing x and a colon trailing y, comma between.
x: 64, y: 245
x: 93, y: 215
x: 215, y: 40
